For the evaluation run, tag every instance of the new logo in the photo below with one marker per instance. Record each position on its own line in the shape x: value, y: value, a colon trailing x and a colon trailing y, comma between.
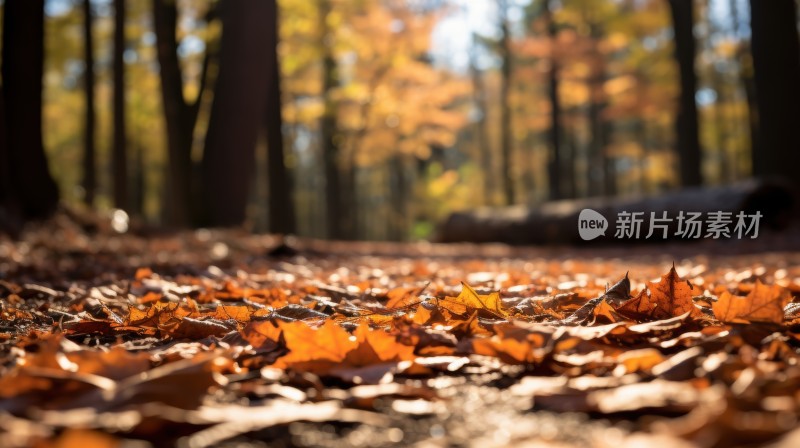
x: 591, y: 224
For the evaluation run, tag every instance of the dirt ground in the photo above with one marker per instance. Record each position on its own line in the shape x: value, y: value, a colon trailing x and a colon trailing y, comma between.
x: 211, y: 338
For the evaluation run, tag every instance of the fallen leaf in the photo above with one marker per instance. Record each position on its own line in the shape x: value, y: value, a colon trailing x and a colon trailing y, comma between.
x: 469, y: 300
x: 763, y: 304
x: 669, y: 297
x: 331, y: 350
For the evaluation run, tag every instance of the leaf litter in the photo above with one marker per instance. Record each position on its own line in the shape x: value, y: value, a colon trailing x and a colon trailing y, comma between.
x: 129, y: 339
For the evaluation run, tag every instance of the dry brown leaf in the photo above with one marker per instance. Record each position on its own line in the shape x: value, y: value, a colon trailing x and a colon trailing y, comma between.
x: 763, y: 304
x: 402, y: 297
x: 330, y: 349
x: 469, y: 300
x: 669, y: 297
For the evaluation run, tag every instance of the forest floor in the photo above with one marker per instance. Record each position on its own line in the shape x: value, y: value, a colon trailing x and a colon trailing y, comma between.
x: 212, y: 338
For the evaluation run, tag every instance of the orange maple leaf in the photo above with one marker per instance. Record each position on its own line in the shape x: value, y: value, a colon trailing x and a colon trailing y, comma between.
x: 670, y: 297
x: 469, y: 300
x: 331, y: 347
x: 512, y: 344
x: 763, y: 304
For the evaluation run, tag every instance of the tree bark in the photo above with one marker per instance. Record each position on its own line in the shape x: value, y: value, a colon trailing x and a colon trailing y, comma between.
x: 119, y: 155
x: 178, y: 116
x: 397, y: 224
x: 281, y: 206
x: 237, y: 112
x: 22, y: 68
x: 10, y: 219
x: 776, y: 62
x: 602, y: 179
x: 506, y: 137
x: 89, y: 181
x: 479, y: 128
x: 744, y: 57
x: 554, y: 166
x: 686, y: 123
x: 328, y: 129
x: 721, y: 119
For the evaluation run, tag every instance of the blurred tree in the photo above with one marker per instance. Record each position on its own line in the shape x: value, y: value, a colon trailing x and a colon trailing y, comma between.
x: 281, y: 205
x: 396, y: 105
x: 237, y: 112
x: 34, y: 189
x: 602, y: 178
x: 506, y: 137
x: 335, y: 202
x: 555, y: 163
x: 89, y: 163
x: 744, y: 57
x: 480, y: 99
x: 10, y: 219
x: 776, y: 61
x: 180, y: 115
x: 688, y: 141
x: 716, y: 69
x: 119, y: 153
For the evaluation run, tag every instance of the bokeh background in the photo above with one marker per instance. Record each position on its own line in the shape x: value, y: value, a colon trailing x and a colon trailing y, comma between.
x: 374, y: 119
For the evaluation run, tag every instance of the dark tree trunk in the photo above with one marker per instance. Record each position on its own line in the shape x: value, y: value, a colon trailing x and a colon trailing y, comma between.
x: 555, y: 164
x: 506, y: 141
x: 23, y: 64
x: 749, y: 84
x: 179, y: 116
x: 137, y: 193
x: 602, y: 178
x: 718, y: 82
x: 397, y: 229
x: 89, y: 164
x: 237, y: 113
x: 479, y: 128
x: 281, y: 207
x: 776, y: 62
x: 568, y: 158
x: 721, y: 124
x: 328, y: 129
x: 686, y: 123
x: 350, y: 196
x: 119, y: 156
x: 744, y: 57
x: 10, y: 220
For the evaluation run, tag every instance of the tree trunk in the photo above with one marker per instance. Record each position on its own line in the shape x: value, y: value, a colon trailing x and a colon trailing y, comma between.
x: 328, y: 129
x: 556, y: 223
x: 506, y: 136
x: 10, y: 220
x: 718, y: 83
x: 23, y: 65
x: 177, y: 114
x: 555, y: 164
x: 281, y: 207
x: 776, y: 61
x: 119, y: 154
x: 749, y: 84
x: 138, y: 182
x: 479, y: 128
x: 686, y: 123
x: 602, y: 178
x: 237, y: 112
x: 398, y: 221
x: 745, y: 60
x: 89, y: 181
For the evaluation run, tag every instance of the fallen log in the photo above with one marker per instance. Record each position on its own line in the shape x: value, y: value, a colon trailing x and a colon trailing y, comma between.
x: 557, y: 222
